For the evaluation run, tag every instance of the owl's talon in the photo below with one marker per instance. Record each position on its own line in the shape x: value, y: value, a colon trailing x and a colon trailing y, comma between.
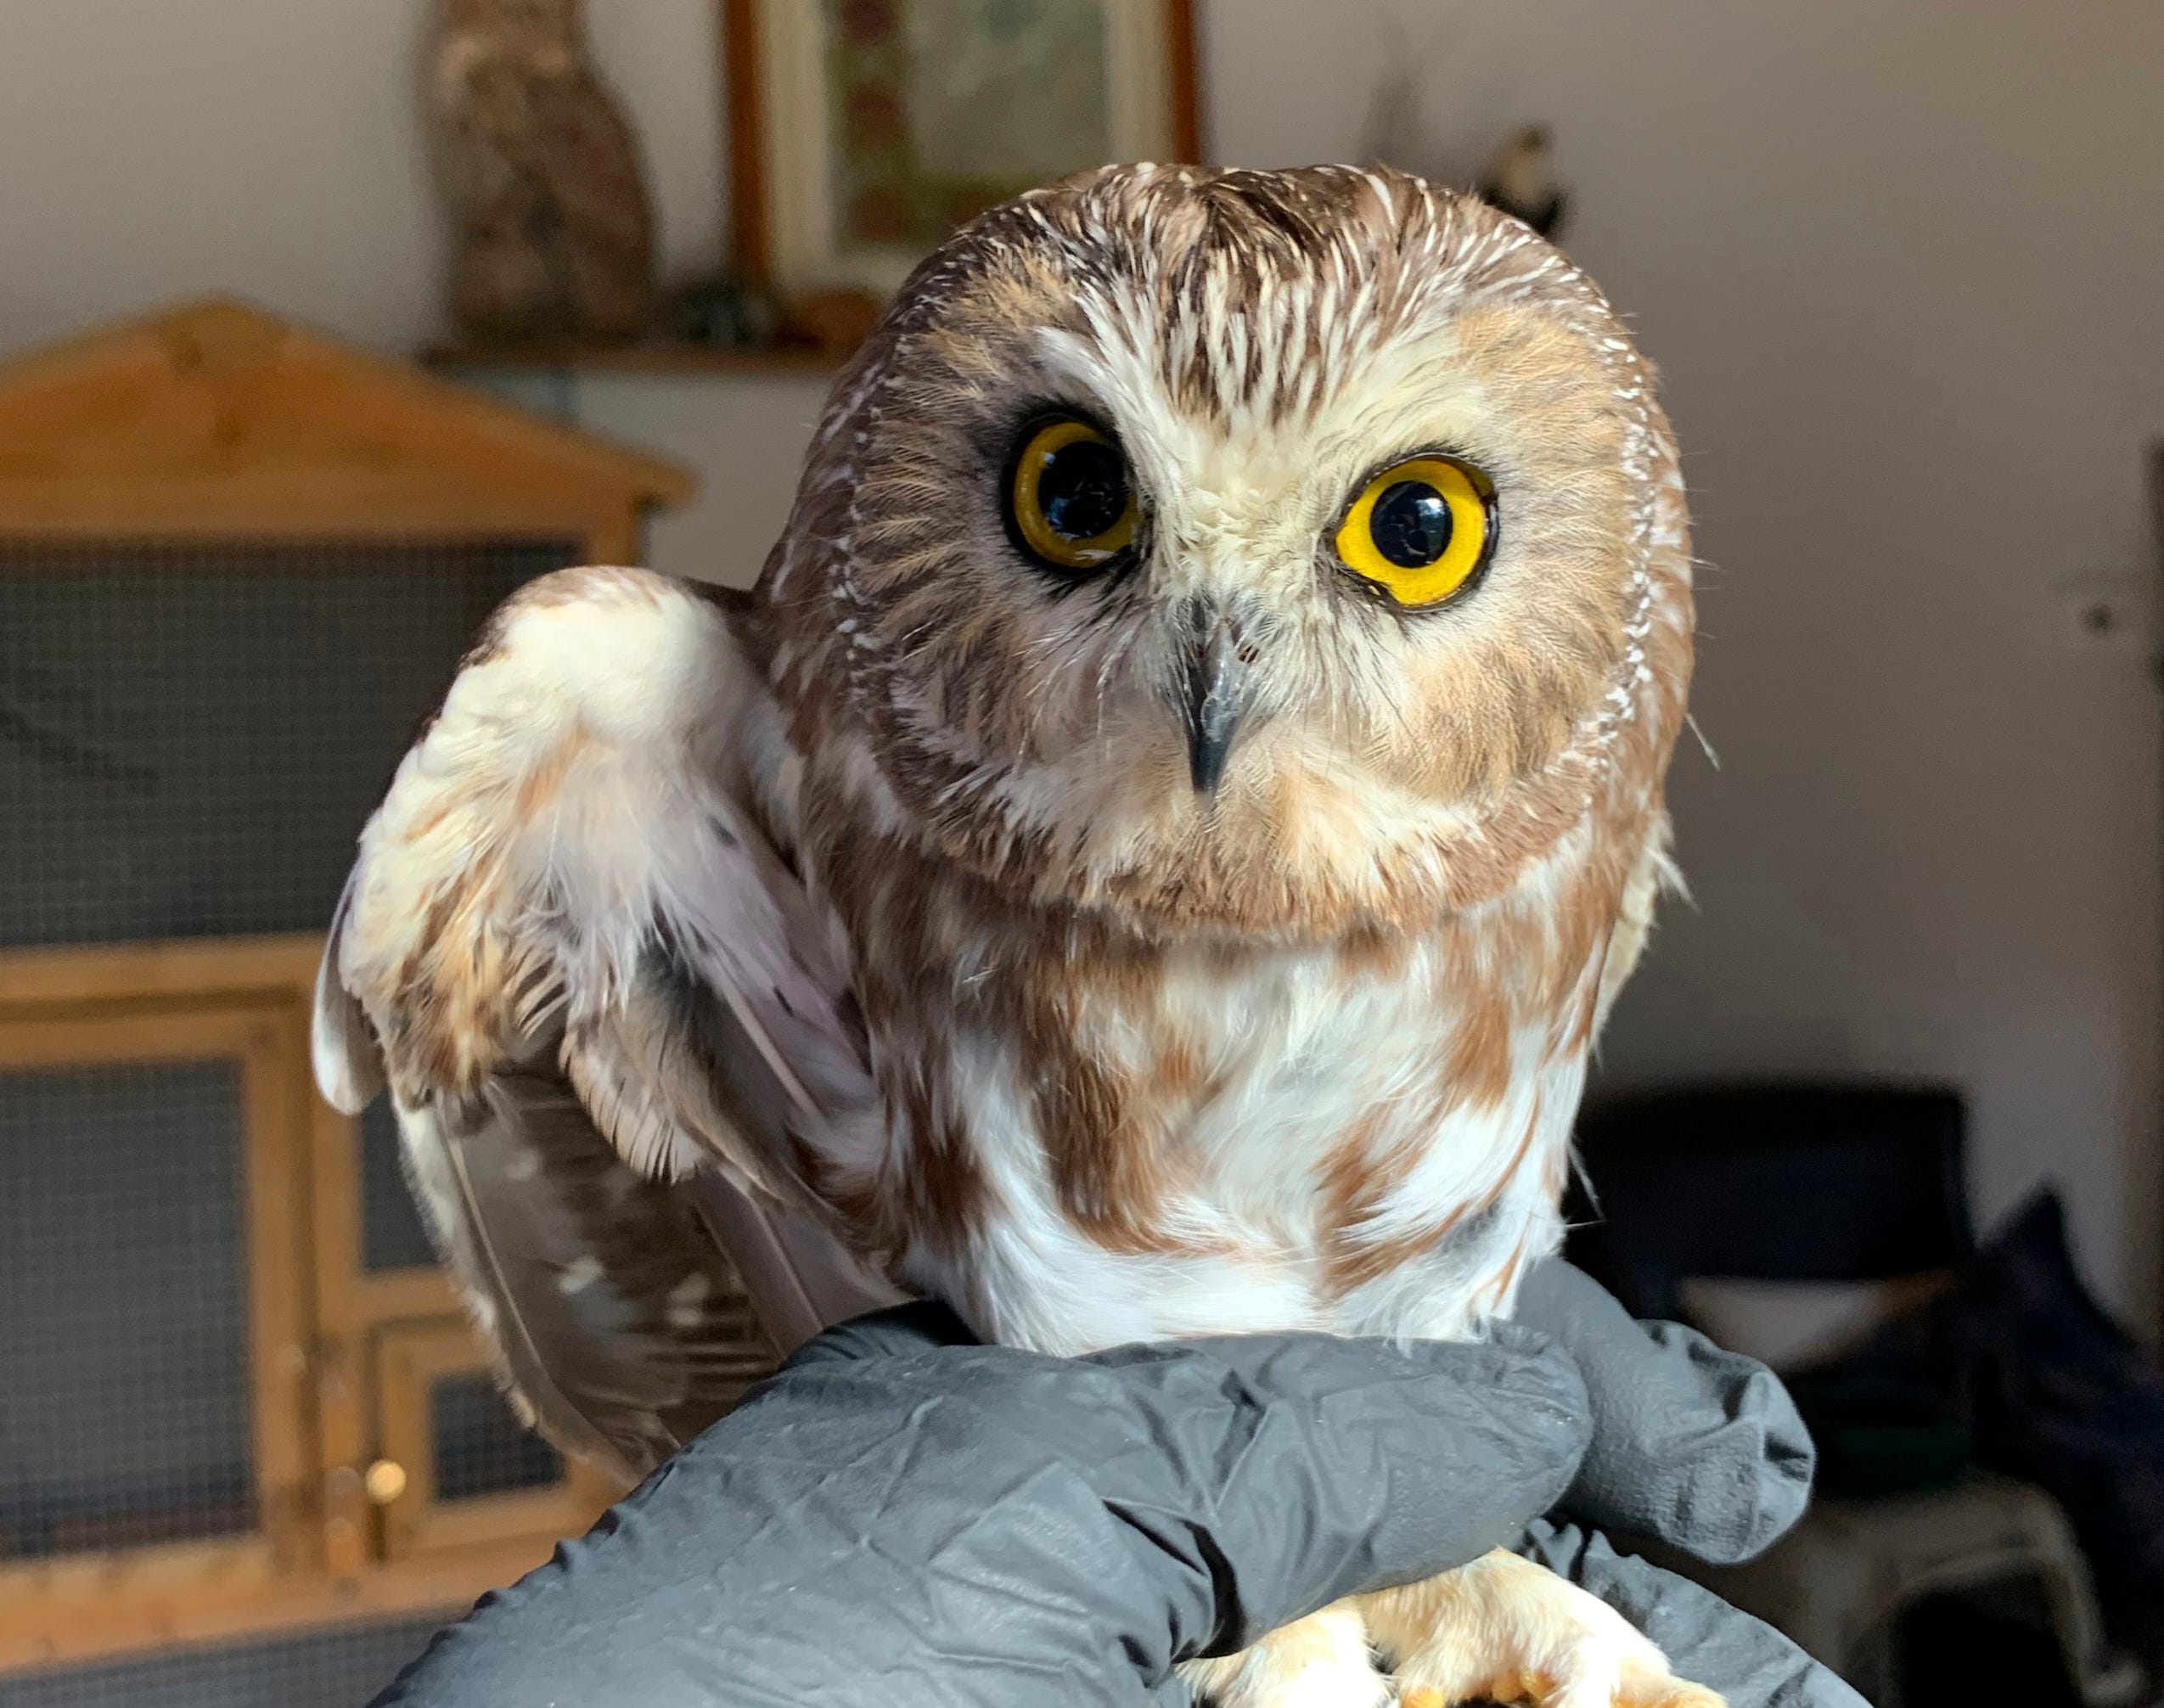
x: 1675, y: 1692
x: 1505, y: 1630
x: 1321, y: 1661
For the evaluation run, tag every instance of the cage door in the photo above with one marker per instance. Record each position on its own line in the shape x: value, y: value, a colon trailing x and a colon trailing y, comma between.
x: 458, y: 1467
x: 154, y: 1428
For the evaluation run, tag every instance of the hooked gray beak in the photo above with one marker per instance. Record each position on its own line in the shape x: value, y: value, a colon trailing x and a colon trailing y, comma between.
x: 1215, y: 690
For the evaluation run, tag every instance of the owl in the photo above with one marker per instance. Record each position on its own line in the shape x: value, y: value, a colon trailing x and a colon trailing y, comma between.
x: 1149, y: 858
x: 552, y: 233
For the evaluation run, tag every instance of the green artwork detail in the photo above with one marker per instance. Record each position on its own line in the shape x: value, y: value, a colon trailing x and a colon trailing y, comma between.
x: 943, y: 108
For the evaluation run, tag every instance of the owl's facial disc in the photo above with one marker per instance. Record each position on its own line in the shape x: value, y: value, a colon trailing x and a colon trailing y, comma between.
x: 1242, y: 547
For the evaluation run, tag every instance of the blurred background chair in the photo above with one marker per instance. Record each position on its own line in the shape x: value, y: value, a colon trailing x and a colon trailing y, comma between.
x: 1808, y: 1225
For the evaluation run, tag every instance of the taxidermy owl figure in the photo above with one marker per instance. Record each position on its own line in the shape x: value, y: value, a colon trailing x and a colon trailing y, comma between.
x: 1149, y: 858
x: 551, y: 233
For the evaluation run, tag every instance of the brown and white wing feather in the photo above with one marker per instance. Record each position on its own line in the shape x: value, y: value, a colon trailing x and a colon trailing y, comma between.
x: 587, y: 974
x: 618, y: 1324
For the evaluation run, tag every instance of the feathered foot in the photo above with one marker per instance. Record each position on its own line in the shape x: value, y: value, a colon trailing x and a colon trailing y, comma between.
x: 1501, y: 1629
x: 1506, y: 1630
x: 1322, y: 1661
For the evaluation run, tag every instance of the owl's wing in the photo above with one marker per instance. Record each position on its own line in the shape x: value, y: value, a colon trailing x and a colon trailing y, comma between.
x: 606, y: 1009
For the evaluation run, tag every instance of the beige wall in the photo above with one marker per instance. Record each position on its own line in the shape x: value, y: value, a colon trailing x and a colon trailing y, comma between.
x: 1902, y: 265
x: 151, y: 148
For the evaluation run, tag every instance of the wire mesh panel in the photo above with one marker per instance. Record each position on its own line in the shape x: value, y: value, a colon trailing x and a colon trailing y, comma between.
x: 191, y: 735
x: 124, y: 1381
x: 325, y: 1669
x: 392, y: 1233
x: 479, y: 1445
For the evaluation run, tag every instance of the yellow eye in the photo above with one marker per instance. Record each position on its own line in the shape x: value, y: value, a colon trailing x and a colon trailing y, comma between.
x: 1421, y: 530
x: 1070, y: 502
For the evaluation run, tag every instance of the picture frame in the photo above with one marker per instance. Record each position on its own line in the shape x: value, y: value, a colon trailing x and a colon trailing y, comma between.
x: 861, y: 132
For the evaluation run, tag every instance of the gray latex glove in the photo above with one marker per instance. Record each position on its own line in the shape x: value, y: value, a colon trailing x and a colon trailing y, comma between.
x: 904, y: 1518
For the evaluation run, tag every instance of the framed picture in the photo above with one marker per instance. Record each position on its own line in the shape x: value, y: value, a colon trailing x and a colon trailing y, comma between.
x: 863, y: 131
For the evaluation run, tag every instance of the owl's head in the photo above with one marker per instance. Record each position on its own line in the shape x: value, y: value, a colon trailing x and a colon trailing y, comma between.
x: 1268, y: 550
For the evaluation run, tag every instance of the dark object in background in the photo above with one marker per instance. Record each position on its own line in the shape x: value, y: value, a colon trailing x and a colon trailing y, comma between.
x: 1880, y: 1437
x: 2053, y: 1392
x: 1779, y: 1182
x: 1520, y: 180
x: 2058, y: 1395
x: 552, y: 235
x: 1825, y: 1183
x: 736, y: 313
x: 1990, y: 1646
x: 1804, y: 1182
x: 726, y: 313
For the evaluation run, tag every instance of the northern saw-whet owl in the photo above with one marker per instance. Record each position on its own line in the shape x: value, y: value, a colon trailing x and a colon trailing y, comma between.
x: 1150, y: 857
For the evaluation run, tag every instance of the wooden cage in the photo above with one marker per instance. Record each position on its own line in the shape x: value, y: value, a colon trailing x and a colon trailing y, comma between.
x: 238, y: 564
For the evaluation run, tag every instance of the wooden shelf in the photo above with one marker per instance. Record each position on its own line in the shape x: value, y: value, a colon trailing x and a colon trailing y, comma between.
x: 633, y: 358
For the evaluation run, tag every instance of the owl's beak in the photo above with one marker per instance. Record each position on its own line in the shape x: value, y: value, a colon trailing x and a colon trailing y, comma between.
x: 1217, y: 663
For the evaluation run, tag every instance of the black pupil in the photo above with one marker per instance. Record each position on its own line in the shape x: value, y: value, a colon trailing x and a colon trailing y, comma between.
x: 1083, y: 489
x: 1411, y: 524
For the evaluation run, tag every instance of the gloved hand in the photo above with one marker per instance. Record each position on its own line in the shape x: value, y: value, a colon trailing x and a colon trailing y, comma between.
x: 902, y: 1518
